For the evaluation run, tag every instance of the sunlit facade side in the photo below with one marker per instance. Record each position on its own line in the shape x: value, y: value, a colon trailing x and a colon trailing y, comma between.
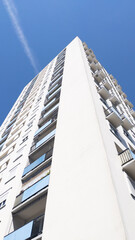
x: 67, y: 163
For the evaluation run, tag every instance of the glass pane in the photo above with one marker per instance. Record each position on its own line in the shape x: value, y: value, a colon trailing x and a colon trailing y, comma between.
x: 51, y: 110
x: 35, y: 188
x: 45, y: 138
x: 34, y: 164
x: 21, y: 233
x: 43, y: 127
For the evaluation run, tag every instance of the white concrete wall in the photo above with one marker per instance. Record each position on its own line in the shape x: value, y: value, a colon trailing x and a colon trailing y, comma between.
x: 15, y: 185
x: 82, y: 201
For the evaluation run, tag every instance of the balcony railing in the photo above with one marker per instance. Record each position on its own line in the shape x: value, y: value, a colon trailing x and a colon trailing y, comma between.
x: 42, y: 141
x: 36, y: 163
x: 126, y: 123
x: 57, y: 68
x: 54, y: 93
x: 54, y: 86
x: 11, y: 122
x: 103, y: 91
x: 54, y: 78
x: 48, y: 105
x: 28, y: 231
x: 29, y: 192
x: 48, y: 136
x: 3, y: 138
x: 58, y: 72
x: 127, y: 102
x: 113, y: 116
x: 43, y: 127
x: 95, y: 66
x: 126, y: 156
x: 114, y: 99
x: 118, y: 87
x: 132, y: 112
x: 1, y: 146
x: 99, y: 76
x: 60, y: 62
x: 45, y: 116
x: 106, y: 84
x: 128, y: 162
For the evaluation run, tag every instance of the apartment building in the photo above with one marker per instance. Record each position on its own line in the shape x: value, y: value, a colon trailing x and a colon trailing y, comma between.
x: 67, y: 163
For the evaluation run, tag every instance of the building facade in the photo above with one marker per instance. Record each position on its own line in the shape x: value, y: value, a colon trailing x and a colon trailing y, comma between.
x: 67, y: 163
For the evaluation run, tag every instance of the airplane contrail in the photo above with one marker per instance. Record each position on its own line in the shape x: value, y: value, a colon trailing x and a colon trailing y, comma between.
x: 12, y: 11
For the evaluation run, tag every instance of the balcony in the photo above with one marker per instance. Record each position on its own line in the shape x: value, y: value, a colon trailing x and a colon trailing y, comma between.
x: 118, y: 87
x: 48, y: 114
x: 106, y: 84
x: 28, y: 231
x: 57, y: 77
x: 99, y: 76
x: 128, y: 162
x: 95, y: 66
x: 46, y: 138
x: 50, y: 96
x: 37, y: 163
x: 59, y: 65
x: 104, y: 93
x: 45, y: 127
x: 3, y: 139
x: 56, y: 71
x: 91, y: 52
x: 31, y: 191
x: 85, y: 46
x: 49, y: 104
x: 11, y: 122
x: 59, y: 72
x: 127, y: 102
x: 55, y: 87
x: 113, y: 80
x: 132, y: 112
x: 92, y: 59
x: 60, y: 62
x: 54, y: 83
x: 114, y: 99
x: 8, y: 128
x: 113, y: 116
x: 42, y: 146
x: 123, y: 95
x: 1, y: 145
x: 126, y: 122
x: 87, y: 52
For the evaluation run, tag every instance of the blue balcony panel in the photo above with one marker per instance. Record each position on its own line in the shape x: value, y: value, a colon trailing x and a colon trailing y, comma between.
x: 45, y: 138
x: 21, y: 233
x: 47, y: 105
x: 51, y: 110
x: 34, y: 164
x: 43, y: 127
x: 54, y: 93
x: 35, y: 188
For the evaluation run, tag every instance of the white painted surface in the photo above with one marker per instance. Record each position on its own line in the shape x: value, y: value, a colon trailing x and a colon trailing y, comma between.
x: 81, y: 202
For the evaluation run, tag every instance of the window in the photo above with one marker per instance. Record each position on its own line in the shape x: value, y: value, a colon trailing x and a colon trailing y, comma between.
x: 3, y: 198
x: 2, y: 204
x: 24, y: 139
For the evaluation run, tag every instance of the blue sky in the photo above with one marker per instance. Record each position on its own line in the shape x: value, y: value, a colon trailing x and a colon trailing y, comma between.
x: 47, y: 26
